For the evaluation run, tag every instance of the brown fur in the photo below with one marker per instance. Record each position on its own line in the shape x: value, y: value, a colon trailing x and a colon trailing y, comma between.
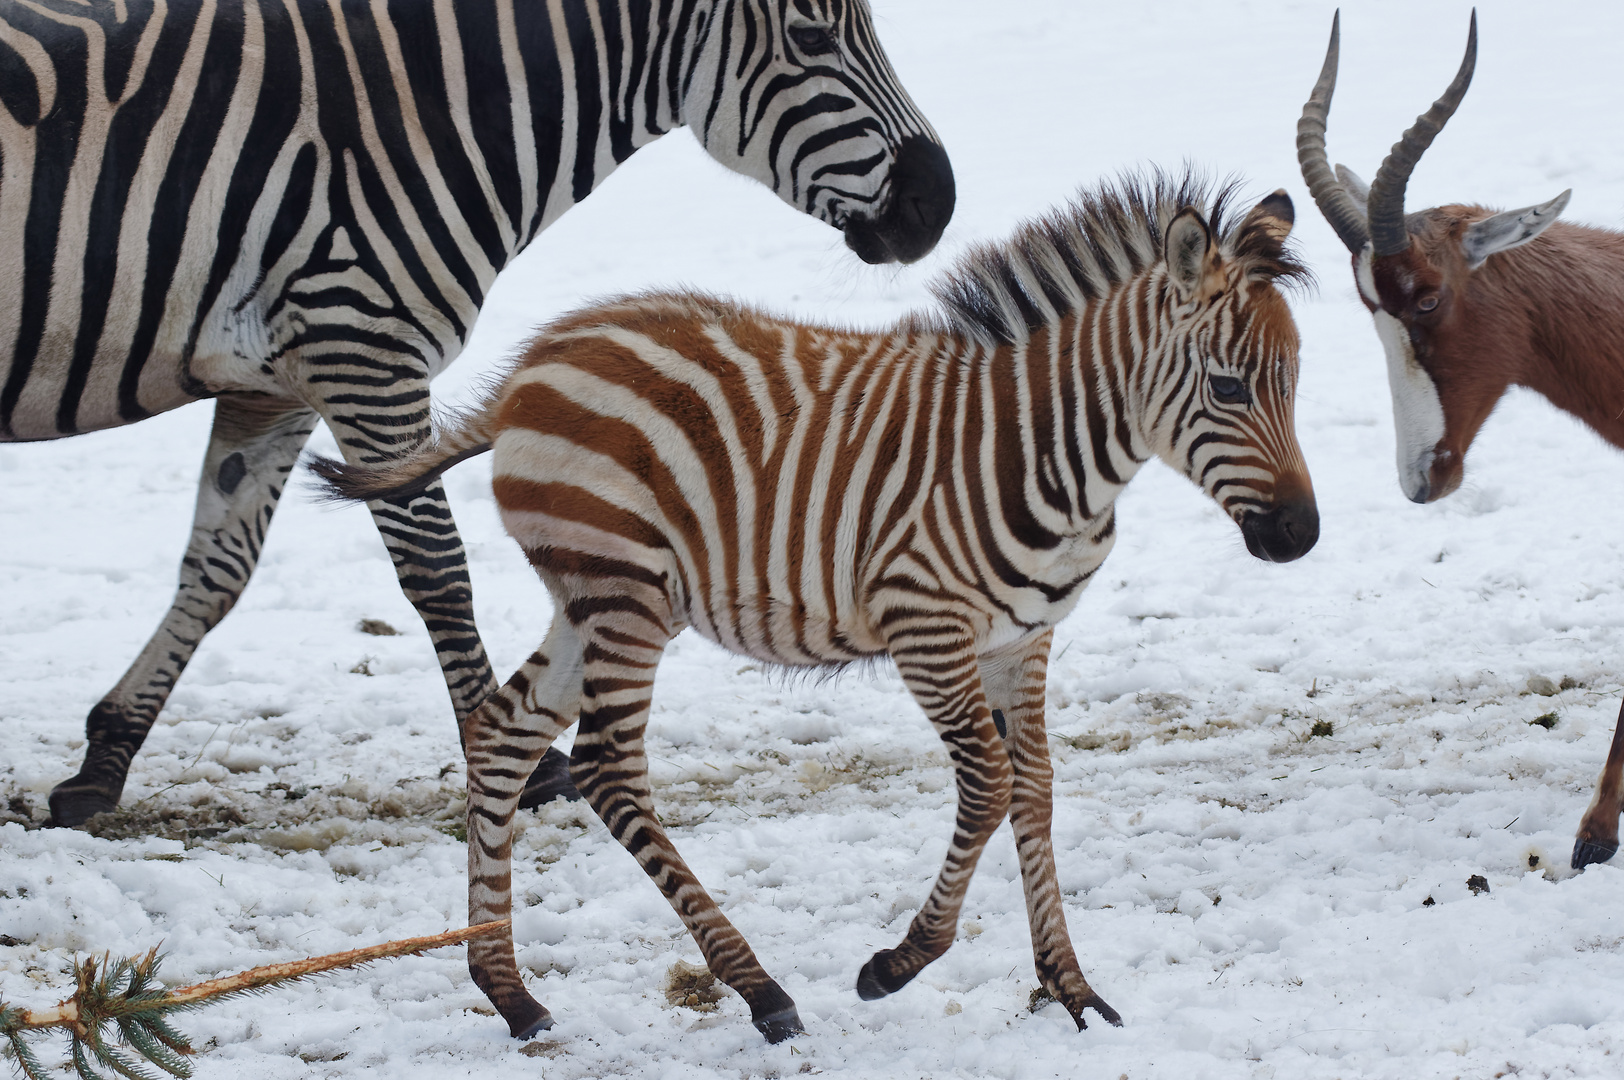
x: 1548, y: 315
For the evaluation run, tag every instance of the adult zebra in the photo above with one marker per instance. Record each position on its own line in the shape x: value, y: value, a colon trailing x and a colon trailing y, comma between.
x: 296, y: 207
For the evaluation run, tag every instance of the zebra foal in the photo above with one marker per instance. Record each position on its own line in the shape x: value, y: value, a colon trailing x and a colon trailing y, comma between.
x: 940, y: 492
x: 298, y: 207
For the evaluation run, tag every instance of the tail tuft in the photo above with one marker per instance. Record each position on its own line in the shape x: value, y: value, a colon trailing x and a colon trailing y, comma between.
x: 342, y: 482
x: 459, y: 437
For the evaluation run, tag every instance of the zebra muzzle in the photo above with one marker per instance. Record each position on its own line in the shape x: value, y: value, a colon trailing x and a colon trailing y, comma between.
x: 922, y: 198
x: 1287, y: 532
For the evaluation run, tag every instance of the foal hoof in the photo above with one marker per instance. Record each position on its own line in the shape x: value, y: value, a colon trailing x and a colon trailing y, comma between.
x: 1585, y: 852
x: 1097, y: 1003
x: 550, y: 780
x: 781, y: 1025
x: 74, y: 802
x: 532, y: 1019
x: 875, y: 982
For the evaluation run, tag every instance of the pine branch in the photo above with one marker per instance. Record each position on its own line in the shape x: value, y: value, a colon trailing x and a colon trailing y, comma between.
x: 126, y: 994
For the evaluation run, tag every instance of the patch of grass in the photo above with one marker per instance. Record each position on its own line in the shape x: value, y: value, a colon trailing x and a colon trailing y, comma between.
x: 1545, y: 720
x: 692, y: 986
x: 1322, y: 729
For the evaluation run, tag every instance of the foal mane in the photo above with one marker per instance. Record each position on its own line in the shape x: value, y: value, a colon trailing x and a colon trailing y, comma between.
x: 1056, y: 264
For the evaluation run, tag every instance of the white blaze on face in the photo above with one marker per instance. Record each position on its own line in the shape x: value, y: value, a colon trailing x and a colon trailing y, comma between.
x: 1418, y: 416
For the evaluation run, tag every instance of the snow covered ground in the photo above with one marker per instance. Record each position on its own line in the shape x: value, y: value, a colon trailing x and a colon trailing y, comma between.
x: 1256, y: 902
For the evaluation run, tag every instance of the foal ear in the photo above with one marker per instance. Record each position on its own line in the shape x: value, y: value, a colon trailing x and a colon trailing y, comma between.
x: 1190, y: 253
x: 1274, y: 217
x: 1502, y: 232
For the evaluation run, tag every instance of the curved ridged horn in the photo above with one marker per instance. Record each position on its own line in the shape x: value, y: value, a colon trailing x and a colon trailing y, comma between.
x: 1329, y: 196
x: 1387, y: 232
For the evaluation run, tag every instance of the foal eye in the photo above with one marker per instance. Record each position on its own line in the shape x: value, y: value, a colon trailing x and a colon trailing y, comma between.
x: 1426, y: 303
x: 1229, y: 390
x: 812, y: 40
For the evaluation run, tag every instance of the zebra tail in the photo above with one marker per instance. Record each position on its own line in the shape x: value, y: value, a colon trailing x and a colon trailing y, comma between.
x: 458, y: 438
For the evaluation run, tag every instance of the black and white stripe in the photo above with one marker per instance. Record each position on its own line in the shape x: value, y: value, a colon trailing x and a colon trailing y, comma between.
x: 939, y: 492
x: 297, y: 207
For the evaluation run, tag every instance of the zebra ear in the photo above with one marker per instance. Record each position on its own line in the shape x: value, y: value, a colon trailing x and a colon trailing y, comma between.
x: 1274, y: 217
x: 1190, y: 253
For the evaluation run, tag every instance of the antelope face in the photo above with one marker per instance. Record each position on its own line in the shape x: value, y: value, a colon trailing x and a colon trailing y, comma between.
x: 1448, y: 357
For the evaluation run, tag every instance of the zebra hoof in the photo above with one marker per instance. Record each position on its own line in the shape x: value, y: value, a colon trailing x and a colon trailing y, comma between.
x: 781, y: 1025
x: 549, y: 781
x: 1097, y: 1003
x: 74, y: 802
x: 873, y: 982
x: 532, y: 1020
x: 1585, y: 851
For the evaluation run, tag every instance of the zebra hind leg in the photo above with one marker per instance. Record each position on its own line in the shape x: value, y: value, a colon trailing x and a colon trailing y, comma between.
x: 431, y: 563
x: 625, y: 636
x: 506, y: 735
x: 1017, y: 686
x: 936, y: 658
x: 252, y: 448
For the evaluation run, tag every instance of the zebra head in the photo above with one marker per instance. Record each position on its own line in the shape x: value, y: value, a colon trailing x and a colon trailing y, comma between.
x: 799, y: 94
x: 1222, y: 383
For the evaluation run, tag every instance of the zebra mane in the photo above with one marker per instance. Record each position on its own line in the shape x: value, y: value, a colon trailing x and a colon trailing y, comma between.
x: 1054, y: 265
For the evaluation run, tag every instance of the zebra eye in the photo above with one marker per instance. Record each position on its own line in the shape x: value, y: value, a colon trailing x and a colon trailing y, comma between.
x: 812, y: 40
x: 1229, y: 390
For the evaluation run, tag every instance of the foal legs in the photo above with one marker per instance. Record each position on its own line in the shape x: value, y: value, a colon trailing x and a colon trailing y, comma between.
x: 937, y: 661
x: 624, y: 636
x: 1016, y: 682
x: 505, y: 737
x: 1598, y: 829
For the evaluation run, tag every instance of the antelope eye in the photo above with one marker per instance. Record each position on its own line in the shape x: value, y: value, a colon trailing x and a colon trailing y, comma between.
x: 1229, y: 390
x: 812, y: 40
x: 1426, y: 303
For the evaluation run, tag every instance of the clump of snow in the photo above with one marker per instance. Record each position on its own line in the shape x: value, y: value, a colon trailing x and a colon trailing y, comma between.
x: 1257, y: 901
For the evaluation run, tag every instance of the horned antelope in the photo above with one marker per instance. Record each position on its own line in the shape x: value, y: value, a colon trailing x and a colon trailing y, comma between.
x: 1467, y: 304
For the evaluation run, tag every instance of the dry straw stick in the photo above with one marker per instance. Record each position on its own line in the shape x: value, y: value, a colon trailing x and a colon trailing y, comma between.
x: 126, y: 993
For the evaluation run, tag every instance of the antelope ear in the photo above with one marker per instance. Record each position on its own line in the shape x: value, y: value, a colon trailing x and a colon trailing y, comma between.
x: 1357, y: 189
x: 1190, y: 254
x: 1274, y: 216
x: 1502, y: 232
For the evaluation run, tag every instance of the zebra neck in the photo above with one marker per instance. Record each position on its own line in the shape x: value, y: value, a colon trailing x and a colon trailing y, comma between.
x: 1067, y: 403
x: 600, y: 80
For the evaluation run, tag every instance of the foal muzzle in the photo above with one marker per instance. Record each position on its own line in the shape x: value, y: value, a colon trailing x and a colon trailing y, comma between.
x: 1287, y: 532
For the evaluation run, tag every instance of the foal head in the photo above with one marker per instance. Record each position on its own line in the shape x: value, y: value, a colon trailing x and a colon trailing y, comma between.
x: 1220, y: 388
x: 1454, y: 323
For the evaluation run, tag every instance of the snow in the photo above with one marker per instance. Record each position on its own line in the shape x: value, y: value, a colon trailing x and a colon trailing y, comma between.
x: 1252, y: 898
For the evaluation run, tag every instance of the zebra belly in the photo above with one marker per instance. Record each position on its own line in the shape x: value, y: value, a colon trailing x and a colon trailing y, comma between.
x: 101, y: 398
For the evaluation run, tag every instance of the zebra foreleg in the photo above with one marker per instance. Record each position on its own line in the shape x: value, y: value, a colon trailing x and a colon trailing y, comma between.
x: 1016, y: 684
x: 624, y: 639
x: 937, y: 660
x: 252, y: 448
x: 506, y: 735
